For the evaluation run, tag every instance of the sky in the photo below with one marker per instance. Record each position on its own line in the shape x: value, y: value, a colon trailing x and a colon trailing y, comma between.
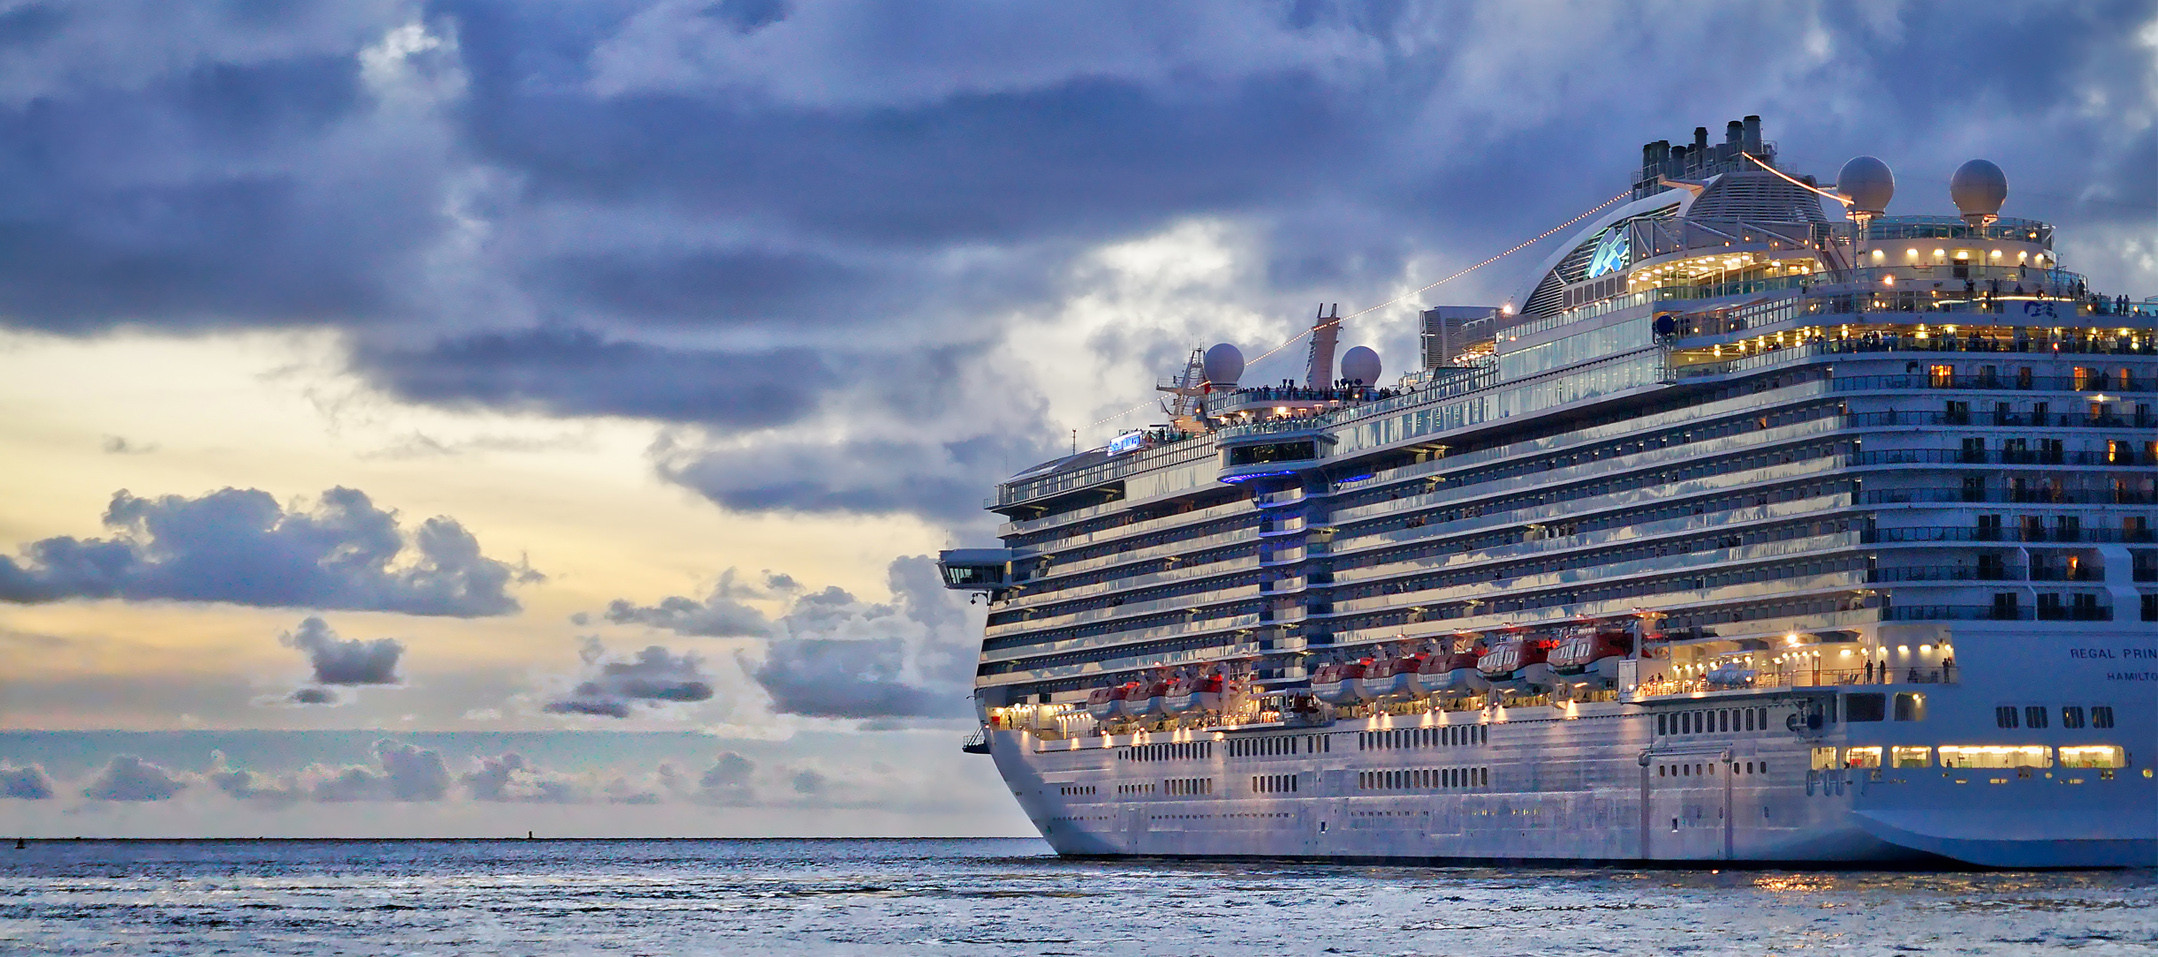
x: 473, y: 418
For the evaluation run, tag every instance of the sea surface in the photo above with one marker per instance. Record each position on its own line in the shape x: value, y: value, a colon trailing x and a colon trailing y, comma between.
x: 1004, y: 897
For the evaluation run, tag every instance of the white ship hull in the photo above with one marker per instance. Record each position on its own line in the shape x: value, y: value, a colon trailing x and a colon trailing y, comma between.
x: 1597, y: 783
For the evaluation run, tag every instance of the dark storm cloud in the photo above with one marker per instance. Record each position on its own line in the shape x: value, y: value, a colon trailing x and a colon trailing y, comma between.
x: 129, y: 778
x: 344, y: 661
x: 613, y: 687
x: 751, y: 214
x: 241, y: 546
x: 900, y: 473
x: 311, y: 696
x: 25, y: 782
x: 569, y: 371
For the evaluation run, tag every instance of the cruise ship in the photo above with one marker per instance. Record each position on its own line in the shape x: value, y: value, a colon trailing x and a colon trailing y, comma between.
x: 1752, y: 533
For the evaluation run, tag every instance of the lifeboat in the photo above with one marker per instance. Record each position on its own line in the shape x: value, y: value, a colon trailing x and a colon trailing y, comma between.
x: 1152, y: 698
x: 1452, y: 673
x: 1518, y: 666
x: 1187, y: 695
x: 1591, y: 657
x: 1389, y: 678
x: 1336, y: 683
x: 1107, y: 703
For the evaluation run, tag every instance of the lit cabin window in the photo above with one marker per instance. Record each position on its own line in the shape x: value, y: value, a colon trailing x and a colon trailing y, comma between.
x: 1912, y: 757
x: 2093, y: 756
x: 1862, y: 758
x: 1996, y: 756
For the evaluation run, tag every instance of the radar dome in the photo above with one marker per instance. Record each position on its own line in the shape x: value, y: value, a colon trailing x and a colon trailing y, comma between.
x: 1222, y: 365
x: 1360, y: 365
x: 1979, y: 188
x: 1868, y: 183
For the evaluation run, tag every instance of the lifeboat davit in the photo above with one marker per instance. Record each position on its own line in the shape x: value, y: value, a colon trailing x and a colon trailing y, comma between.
x: 1336, y: 683
x: 1390, y: 678
x: 1453, y: 673
x: 1591, y: 657
x: 1517, y: 666
x: 1187, y: 695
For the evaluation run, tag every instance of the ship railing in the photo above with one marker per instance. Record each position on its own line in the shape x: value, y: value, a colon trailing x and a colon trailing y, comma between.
x: 1798, y: 678
x: 2066, y: 420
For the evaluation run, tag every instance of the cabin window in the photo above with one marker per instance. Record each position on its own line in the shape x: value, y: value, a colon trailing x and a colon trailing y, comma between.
x: 1996, y: 756
x: 2102, y: 716
x: 2093, y: 756
x: 1824, y: 759
x: 1910, y: 706
x: 1748, y: 719
x: 2035, y: 716
x: 2071, y: 717
x: 1912, y: 757
x: 1862, y: 758
x: 2005, y: 716
x: 1662, y: 726
x: 1865, y: 707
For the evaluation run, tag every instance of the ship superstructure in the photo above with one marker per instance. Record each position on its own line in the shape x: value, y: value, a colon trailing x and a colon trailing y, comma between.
x: 1752, y: 534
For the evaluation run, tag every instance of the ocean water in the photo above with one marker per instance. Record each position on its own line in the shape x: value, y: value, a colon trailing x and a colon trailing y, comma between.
x: 1004, y: 897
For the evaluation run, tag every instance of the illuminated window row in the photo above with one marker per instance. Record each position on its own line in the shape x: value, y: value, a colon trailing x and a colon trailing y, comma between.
x: 1971, y: 756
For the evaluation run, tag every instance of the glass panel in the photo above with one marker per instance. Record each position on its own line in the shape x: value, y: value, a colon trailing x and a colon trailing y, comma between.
x: 1824, y: 758
x: 2093, y: 756
x: 1862, y: 758
x: 1913, y: 757
x: 1996, y: 756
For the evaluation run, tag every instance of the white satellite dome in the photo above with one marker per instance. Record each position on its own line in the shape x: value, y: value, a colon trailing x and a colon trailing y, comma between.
x: 1979, y: 188
x: 1222, y: 365
x: 1869, y: 184
x: 1360, y: 365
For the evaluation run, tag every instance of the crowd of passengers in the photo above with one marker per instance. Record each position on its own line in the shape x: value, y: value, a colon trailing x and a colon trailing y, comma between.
x: 1343, y: 390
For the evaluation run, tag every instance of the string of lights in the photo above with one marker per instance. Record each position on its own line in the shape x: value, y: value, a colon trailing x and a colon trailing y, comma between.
x: 1838, y: 197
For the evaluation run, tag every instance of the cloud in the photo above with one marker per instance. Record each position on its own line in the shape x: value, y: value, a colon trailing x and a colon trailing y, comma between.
x: 512, y: 777
x: 728, y: 781
x: 344, y: 661
x: 24, y: 782
x: 570, y: 372
x: 402, y: 772
x: 313, y: 696
x: 129, y: 778
x: 241, y: 546
x: 813, y: 236
x: 832, y: 655
x: 613, y: 688
x: 720, y: 614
